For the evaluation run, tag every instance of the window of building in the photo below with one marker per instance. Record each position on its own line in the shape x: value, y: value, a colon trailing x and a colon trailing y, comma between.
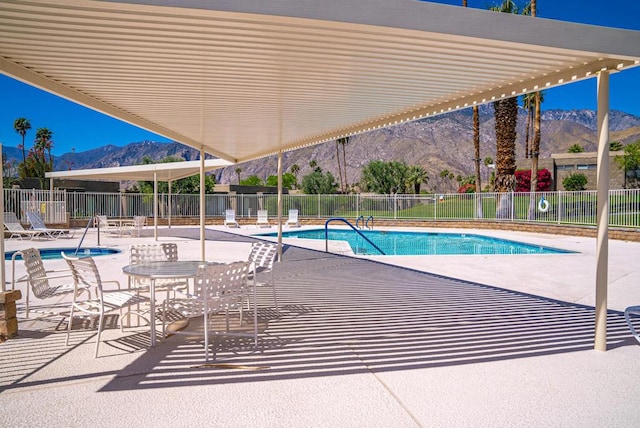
x: 587, y: 166
x: 564, y: 167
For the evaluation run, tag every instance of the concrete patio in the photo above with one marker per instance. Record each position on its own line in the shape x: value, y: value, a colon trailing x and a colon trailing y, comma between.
x: 400, y: 341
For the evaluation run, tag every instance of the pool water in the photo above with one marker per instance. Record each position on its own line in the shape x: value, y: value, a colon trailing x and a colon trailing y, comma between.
x: 422, y: 243
x: 54, y: 253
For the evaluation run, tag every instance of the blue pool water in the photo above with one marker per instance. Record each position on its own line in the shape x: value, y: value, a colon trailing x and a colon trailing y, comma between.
x: 423, y: 243
x: 54, y: 253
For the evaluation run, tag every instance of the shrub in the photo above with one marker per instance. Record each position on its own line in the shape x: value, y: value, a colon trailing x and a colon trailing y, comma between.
x: 467, y: 188
x: 574, y: 182
x: 523, y: 180
x: 576, y: 148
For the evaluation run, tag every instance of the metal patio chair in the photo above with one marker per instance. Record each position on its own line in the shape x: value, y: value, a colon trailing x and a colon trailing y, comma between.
x: 262, y: 257
x: 230, y: 218
x: 85, y: 274
x: 218, y: 288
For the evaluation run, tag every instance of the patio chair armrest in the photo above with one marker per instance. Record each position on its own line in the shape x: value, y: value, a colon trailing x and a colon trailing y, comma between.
x: 111, y: 282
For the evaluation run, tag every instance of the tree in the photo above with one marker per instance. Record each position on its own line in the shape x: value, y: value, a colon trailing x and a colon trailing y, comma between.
x: 39, y: 159
x: 506, y: 118
x: 630, y: 163
x: 615, y: 146
x: 385, y: 177
x: 575, y: 148
x: 22, y: 125
x: 252, y: 180
x: 339, y: 167
x: 476, y: 140
x: 319, y: 183
x: 238, y: 171
x: 343, y: 142
x: 574, y: 182
x: 416, y: 176
x: 288, y: 180
x: 295, y: 169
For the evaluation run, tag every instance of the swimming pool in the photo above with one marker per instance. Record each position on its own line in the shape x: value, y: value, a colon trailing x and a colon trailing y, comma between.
x: 398, y: 243
x: 54, y: 253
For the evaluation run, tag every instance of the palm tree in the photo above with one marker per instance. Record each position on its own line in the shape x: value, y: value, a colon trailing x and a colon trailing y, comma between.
x: 339, y: 167
x: 238, y: 171
x: 476, y: 146
x: 506, y: 118
x: 527, y: 103
x: 417, y: 175
x: 22, y: 125
x: 44, y: 144
x: 295, y: 169
x: 344, y: 141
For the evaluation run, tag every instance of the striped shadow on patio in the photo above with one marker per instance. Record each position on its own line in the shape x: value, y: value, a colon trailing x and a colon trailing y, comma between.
x: 341, y: 315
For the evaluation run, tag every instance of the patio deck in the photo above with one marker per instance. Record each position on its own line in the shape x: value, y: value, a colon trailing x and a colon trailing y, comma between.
x: 357, y: 342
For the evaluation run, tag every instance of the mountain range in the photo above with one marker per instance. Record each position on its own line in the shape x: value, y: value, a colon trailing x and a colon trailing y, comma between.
x: 442, y: 142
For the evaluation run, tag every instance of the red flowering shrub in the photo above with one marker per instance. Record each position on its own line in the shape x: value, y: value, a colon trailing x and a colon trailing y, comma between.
x: 467, y: 188
x: 523, y: 180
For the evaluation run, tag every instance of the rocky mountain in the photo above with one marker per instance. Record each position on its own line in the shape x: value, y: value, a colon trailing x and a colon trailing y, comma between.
x: 443, y: 142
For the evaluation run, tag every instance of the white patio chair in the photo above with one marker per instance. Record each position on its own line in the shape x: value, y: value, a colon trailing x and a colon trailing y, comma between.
x: 14, y: 227
x: 139, y: 221
x: 217, y: 288
x: 230, y: 218
x: 629, y: 313
x: 38, y: 280
x: 263, y: 219
x: 38, y: 224
x: 144, y: 253
x: 85, y: 275
x: 292, y: 221
x: 262, y: 257
x: 106, y: 226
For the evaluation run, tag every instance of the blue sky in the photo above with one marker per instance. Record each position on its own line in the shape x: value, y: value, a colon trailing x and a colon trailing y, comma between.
x: 75, y: 127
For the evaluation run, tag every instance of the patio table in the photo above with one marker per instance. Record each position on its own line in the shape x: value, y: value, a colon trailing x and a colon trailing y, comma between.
x: 162, y: 270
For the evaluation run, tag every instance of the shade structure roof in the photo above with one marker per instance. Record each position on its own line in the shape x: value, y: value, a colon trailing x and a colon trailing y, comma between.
x: 247, y: 79
x: 160, y: 171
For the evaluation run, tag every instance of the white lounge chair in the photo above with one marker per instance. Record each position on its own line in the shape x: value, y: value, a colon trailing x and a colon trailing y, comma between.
x: 230, y: 219
x: 15, y: 229
x: 108, y: 227
x: 263, y: 219
x: 38, y: 224
x: 292, y: 221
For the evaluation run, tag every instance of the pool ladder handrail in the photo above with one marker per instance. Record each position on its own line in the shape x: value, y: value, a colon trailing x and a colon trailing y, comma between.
x: 358, y: 221
x: 75, y: 253
x: 344, y: 220
x: 367, y: 223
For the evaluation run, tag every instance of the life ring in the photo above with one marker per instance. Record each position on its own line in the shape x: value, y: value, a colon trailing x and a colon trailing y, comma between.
x: 543, y: 205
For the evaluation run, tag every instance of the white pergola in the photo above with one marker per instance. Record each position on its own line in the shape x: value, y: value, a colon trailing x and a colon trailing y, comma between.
x: 246, y: 79
x: 168, y: 172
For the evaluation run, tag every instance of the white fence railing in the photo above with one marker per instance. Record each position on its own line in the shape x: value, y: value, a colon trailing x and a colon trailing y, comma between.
x: 545, y: 207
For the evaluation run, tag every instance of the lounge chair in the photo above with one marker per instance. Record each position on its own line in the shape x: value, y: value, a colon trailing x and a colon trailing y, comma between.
x: 13, y: 226
x: 230, y: 219
x: 292, y: 221
x: 263, y: 219
x: 38, y: 224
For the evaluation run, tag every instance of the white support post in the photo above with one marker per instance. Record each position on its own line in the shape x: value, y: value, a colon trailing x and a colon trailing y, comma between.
x: 155, y: 206
x: 280, y: 206
x: 3, y: 274
x: 602, y: 243
x: 202, y: 206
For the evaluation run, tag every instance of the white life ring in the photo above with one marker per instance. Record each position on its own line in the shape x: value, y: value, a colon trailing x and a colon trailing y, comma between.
x: 543, y: 205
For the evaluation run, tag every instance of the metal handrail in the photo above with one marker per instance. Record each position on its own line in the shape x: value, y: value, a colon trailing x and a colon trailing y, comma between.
x: 367, y: 223
x: 344, y: 220
x: 75, y: 253
x: 358, y: 221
